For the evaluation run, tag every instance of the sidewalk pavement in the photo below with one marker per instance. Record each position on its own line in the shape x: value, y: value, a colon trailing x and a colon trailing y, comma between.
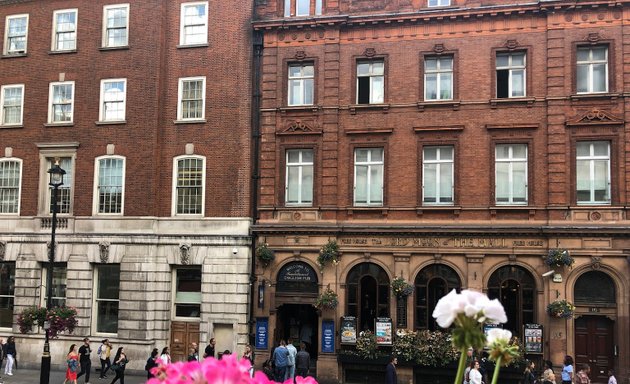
x: 31, y: 376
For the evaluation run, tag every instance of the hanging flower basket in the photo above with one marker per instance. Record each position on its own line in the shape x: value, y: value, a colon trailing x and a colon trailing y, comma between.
x: 561, y: 308
x: 558, y: 258
x: 264, y: 254
x: 329, y: 253
x: 60, y: 319
x: 327, y: 300
x: 401, y: 287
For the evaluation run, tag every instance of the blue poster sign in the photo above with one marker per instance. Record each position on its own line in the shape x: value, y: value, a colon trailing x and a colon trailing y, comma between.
x: 328, y: 336
x: 262, y: 332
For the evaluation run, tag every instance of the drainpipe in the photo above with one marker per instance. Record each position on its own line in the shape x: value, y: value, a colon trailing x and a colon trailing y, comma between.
x: 255, y: 128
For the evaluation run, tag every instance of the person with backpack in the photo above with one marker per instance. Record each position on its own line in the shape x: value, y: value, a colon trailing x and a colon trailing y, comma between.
x: 103, y: 353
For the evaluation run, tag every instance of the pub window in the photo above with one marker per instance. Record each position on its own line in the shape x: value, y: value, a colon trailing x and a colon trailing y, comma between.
x: 604, y: 295
x: 515, y: 288
x: 432, y: 283
x: 368, y: 294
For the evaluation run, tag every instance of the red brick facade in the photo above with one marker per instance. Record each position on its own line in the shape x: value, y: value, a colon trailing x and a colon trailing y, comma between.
x: 475, y: 235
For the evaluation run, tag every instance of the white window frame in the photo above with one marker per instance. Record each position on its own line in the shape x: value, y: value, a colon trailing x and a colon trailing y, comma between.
x: 3, y: 106
x: 302, y: 80
x: 512, y: 68
x: 439, y: 3
x: 369, y: 164
x: 57, y: 266
x: 439, y: 73
x: 511, y: 160
x: 19, y: 186
x: 291, y: 8
x: 300, y: 165
x: 47, y: 159
x: 371, y: 75
x: 182, y: 21
x: 96, y: 299
x: 97, y: 186
x: 180, y: 90
x: 7, y: 49
x: 592, y: 158
x: 102, y: 110
x: 438, y: 162
x: 55, y: 38
x: 175, y: 186
x: 106, y: 29
x: 176, y: 301
x: 590, y: 63
x: 51, y: 93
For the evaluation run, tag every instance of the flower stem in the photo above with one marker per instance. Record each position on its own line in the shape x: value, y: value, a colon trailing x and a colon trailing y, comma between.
x: 497, y: 367
x: 461, y: 367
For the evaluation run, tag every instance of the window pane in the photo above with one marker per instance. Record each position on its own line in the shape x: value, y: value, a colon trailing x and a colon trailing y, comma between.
x: 445, y: 86
x: 430, y: 64
x: 430, y: 183
x: 376, y: 187
x: 430, y: 153
x: 518, y: 83
x: 360, y: 193
x: 446, y: 183
x: 307, y: 184
x: 308, y: 91
x: 583, y: 54
x: 601, y: 174
x: 503, y: 151
x: 600, y: 148
x: 503, y: 60
x: 519, y: 151
x: 108, y: 282
x: 9, y: 186
x: 599, y: 53
x: 378, y: 68
x: 378, y: 89
x: 518, y: 59
x: 519, y: 176
x: 583, y: 175
x: 502, y: 182
x: 377, y: 154
x: 363, y: 69
x: 582, y: 78
x: 303, y: 7
x: 293, y: 186
x: 446, y: 153
x: 431, y: 86
x: 107, y: 318
x: 446, y: 63
x: 599, y: 78
x: 583, y: 149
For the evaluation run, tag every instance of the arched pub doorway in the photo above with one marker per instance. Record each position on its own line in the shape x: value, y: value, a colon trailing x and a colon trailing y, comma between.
x: 515, y: 288
x: 296, y: 317
x: 595, y: 299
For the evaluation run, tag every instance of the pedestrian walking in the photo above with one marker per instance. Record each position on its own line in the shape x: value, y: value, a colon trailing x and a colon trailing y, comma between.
x: 582, y: 375
x: 165, y: 356
x: 611, y: 377
x: 103, y: 353
x: 193, y: 352
x: 567, y: 370
x: 152, y: 362
x: 249, y: 355
x: 548, y: 376
x: 390, y: 371
x: 11, y: 355
x: 72, y: 360
x: 281, y: 359
x: 528, y: 374
x: 302, y: 361
x: 120, y: 362
x: 474, y: 376
x: 84, y: 360
x: 209, y: 351
x: 291, y: 362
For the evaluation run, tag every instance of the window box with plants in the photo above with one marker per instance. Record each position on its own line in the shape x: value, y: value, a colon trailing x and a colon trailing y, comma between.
x: 264, y: 254
x: 60, y: 319
x: 401, y: 288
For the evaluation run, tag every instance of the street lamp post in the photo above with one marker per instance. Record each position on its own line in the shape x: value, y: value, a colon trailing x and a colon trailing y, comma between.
x: 56, y: 180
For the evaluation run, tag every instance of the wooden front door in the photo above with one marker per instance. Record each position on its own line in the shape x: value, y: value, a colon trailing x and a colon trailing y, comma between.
x: 182, y: 335
x: 594, y: 346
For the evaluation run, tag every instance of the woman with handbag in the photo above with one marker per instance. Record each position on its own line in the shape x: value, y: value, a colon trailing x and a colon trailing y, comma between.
x: 120, y: 361
x: 72, y: 360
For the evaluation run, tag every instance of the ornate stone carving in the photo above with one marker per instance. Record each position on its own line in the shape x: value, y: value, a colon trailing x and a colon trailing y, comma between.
x: 438, y: 48
x: 369, y: 52
x: 511, y: 44
x: 299, y: 126
x: 596, y: 262
x: 300, y: 55
x: 103, y: 251
x: 596, y: 116
x: 593, y: 37
x: 184, y: 253
x: 3, y: 250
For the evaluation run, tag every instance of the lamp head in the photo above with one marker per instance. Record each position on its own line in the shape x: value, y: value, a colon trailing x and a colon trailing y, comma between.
x: 56, y: 175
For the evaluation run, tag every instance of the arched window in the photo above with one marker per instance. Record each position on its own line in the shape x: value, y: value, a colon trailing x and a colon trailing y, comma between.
x: 297, y: 278
x: 604, y: 295
x: 515, y: 288
x: 432, y: 283
x: 368, y: 294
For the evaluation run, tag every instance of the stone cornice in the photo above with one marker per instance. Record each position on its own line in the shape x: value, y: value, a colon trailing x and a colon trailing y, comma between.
x: 429, y: 15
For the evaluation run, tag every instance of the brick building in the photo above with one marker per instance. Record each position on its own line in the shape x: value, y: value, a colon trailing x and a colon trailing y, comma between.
x: 146, y: 106
x: 455, y: 144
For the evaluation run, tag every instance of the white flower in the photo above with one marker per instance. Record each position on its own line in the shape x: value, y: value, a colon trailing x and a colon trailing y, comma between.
x: 447, y: 309
x: 472, y: 304
x: 499, y: 335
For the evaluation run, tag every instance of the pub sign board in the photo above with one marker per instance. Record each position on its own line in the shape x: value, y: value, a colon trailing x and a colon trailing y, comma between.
x: 383, y: 330
x: 533, y: 334
x: 348, y: 330
x: 262, y: 332
x: 328, y: 336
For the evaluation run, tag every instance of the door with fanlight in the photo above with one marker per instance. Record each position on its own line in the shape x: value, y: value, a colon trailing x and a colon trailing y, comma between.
x: 594, y: 346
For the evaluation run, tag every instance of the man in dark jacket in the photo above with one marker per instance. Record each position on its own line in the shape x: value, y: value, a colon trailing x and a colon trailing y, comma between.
x: 390, y: 371
x: 84, y: 360
x: 302, y: 361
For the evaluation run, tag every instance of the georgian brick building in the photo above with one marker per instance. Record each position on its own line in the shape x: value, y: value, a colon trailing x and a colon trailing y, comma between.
x: 453, y: 143
x: 146, y: 106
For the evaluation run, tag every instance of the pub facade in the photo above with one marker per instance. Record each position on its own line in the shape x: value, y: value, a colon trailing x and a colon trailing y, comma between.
x: 454, y: 144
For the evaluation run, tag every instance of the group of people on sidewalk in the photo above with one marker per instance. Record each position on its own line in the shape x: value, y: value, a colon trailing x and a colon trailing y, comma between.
x: 79, y: 362
x: 286, y: 362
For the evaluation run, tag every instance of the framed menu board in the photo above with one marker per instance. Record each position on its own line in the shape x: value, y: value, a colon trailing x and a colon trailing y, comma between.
x: 348, y: 330
x: 533, y: 334
x: 383, y: 329
x: 328, y: 336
